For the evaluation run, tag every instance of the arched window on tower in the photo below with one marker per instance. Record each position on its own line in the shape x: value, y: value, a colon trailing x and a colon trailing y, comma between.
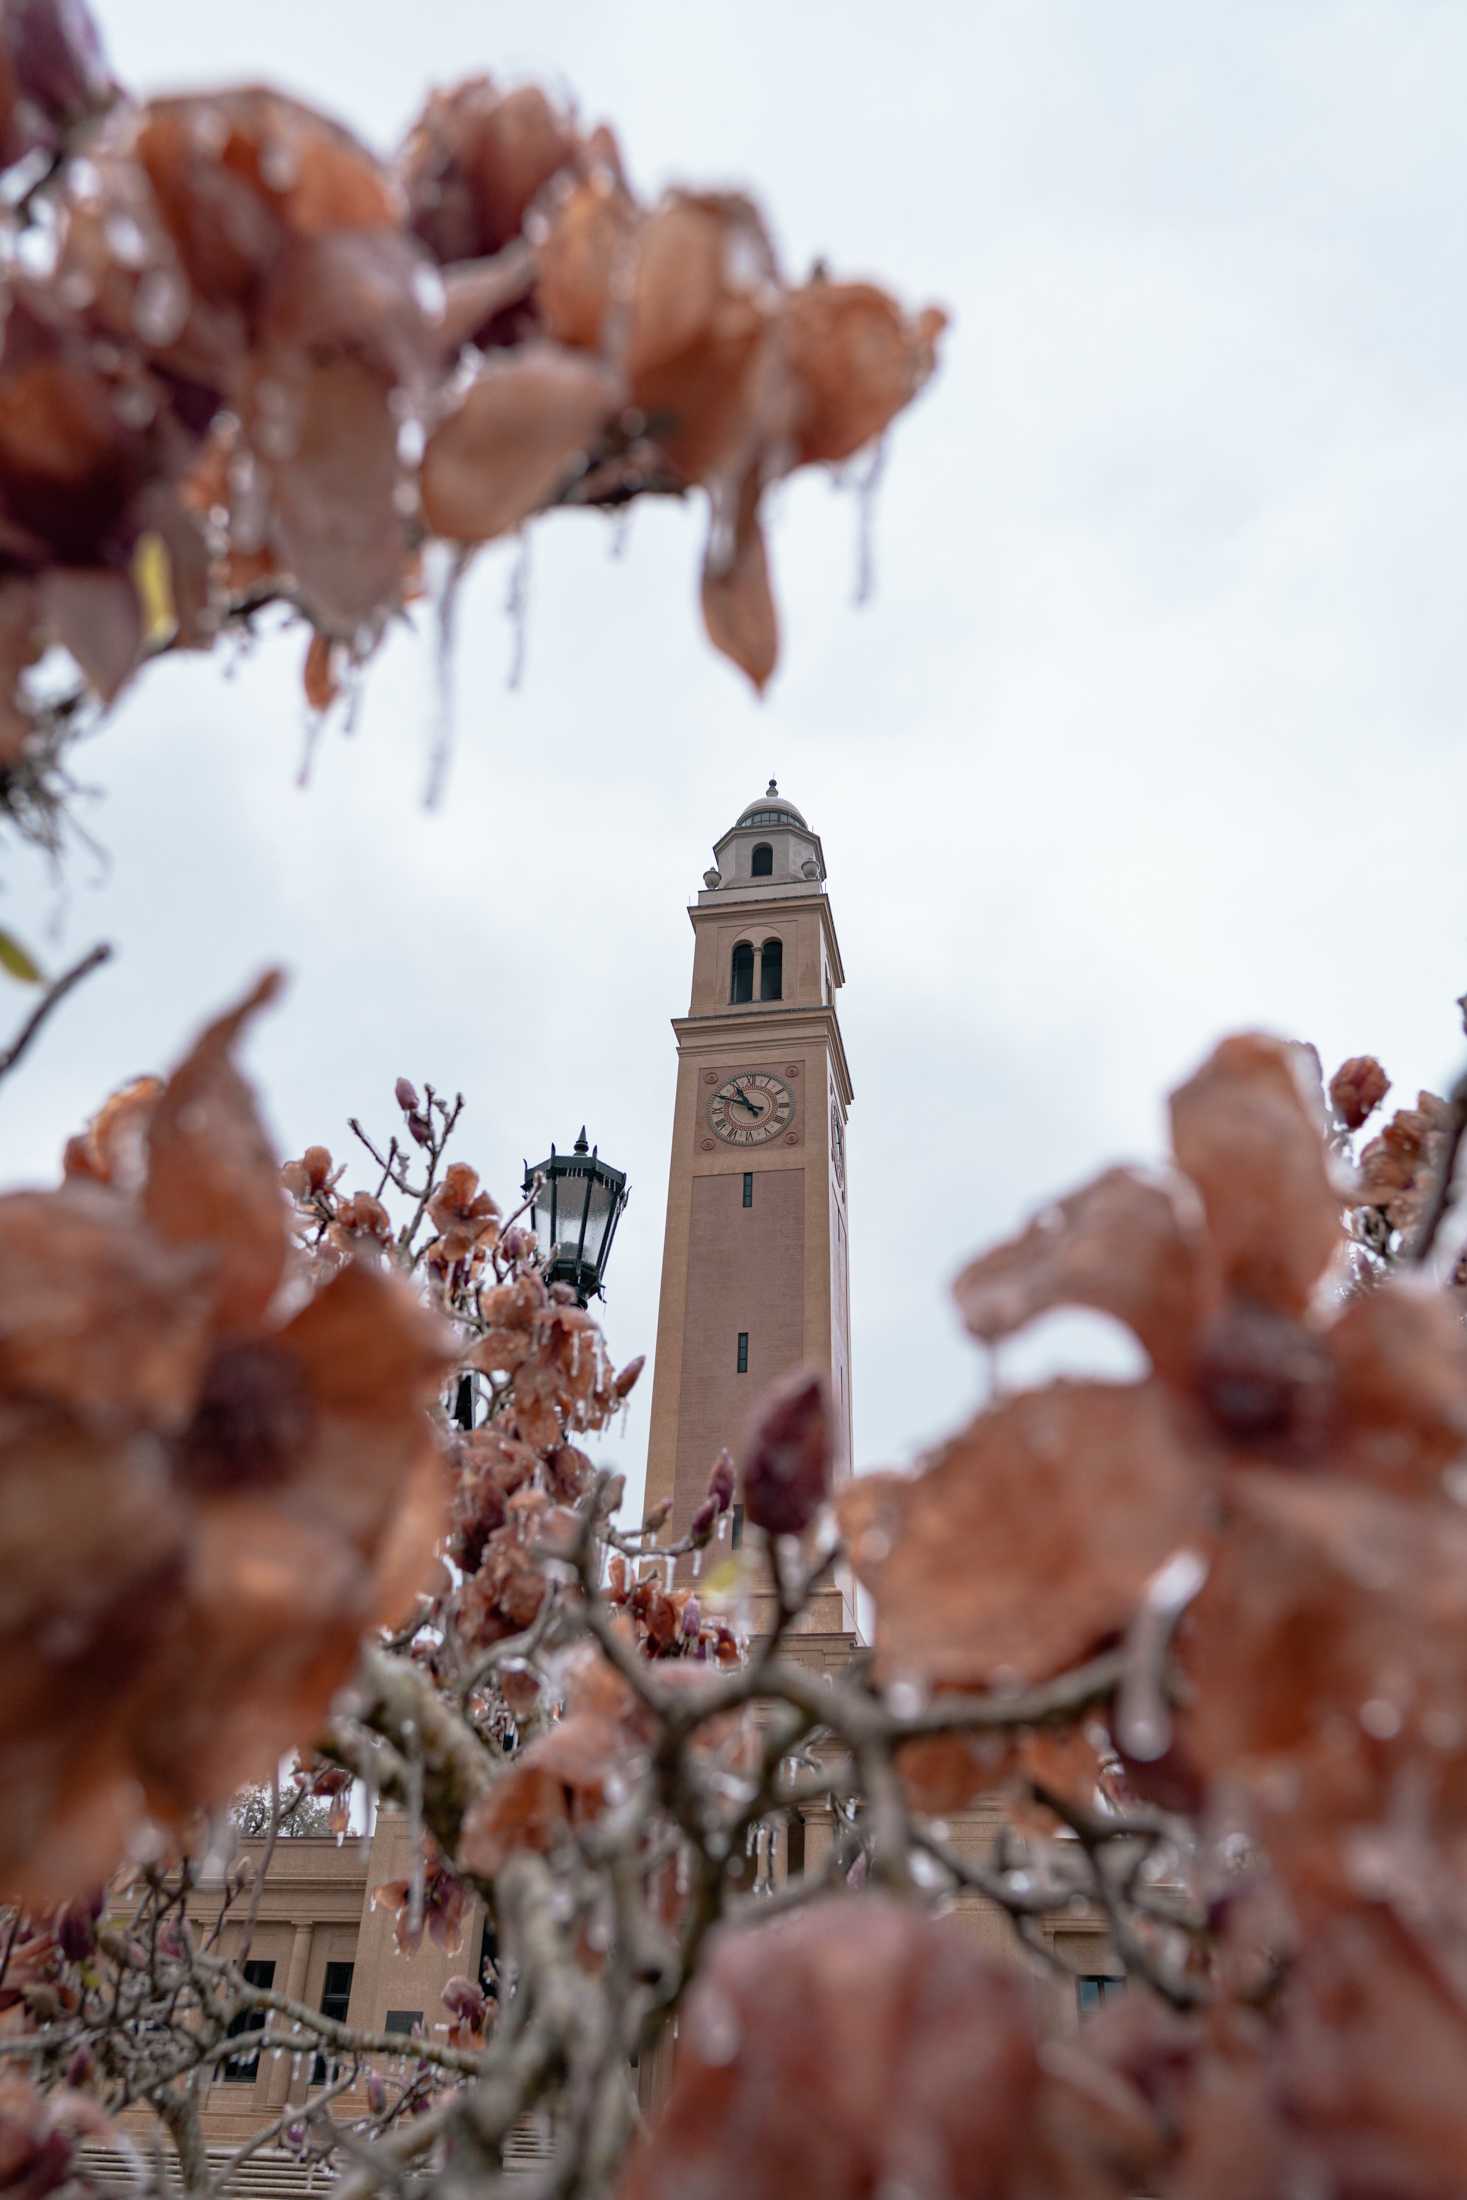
x: 761, y: 863
x: 742, y: 988
x: 771, y: 971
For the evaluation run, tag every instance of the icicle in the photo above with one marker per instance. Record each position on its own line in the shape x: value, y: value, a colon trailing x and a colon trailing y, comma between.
x: 1143, y: 1717
x: 621, y: 532
x: 315, y: 727
x: 444, y: 588
x: 517, y: 610
x: 867, y: 485
x: 697, y: 1564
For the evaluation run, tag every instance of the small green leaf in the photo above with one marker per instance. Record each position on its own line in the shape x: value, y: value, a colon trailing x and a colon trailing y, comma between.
x: 18, y: 960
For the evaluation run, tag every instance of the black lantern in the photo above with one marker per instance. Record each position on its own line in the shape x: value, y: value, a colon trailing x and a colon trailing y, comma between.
x: 577, y: 1208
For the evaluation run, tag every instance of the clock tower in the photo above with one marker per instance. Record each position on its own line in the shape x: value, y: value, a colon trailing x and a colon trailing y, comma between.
x: 755, y: 1257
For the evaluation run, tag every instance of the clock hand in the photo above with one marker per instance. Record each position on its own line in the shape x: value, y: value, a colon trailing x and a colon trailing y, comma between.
x: 744, y: 1101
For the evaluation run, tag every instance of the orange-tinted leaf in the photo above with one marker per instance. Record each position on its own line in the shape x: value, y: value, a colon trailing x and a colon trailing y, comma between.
x: 1126, y: 1245
x: 95, y: 1312
x: 855, y: 360
x: 1028, y: 1541
x: 212, y: 1181
x: 516, y: 433
x: 738, y: 601
x: 1251, y: 1137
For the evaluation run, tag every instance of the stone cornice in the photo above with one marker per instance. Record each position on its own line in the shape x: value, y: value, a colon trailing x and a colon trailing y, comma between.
x: 714, y: 1030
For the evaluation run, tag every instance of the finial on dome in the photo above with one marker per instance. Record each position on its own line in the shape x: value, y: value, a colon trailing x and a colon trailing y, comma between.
x: 773, y: 787
x: 581, y: 1145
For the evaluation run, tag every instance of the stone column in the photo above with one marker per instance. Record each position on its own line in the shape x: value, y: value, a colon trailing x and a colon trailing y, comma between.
x: 277, y: 2090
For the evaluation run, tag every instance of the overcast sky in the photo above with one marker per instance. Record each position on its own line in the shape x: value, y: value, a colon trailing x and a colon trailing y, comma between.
x: 1152, y: 730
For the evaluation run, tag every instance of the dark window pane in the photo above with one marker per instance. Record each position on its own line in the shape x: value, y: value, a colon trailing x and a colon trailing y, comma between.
x: 761, y: 864
x: 335, y: 2001
x: 1095, y: 1988
x: 771, y: 972
x: 403, y: 2020
x: 742, y: 988
x: 748, y: 1187
x: 241, y: 2069
x: 743, y: 1362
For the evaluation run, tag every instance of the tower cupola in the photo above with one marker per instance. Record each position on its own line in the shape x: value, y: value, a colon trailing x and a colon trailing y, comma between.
x: 769, y: 849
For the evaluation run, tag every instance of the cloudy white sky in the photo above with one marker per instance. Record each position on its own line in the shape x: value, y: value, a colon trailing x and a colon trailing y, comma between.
x: 1154, y: 727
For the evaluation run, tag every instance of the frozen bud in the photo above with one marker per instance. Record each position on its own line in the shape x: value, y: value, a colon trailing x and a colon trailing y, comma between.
x: 517, y: 1244
x: 1357, y: 1089
x: 692, y: 1617
x: 701, y: 1526
x: 295, y: 2135
x: 406, y: 1094
x: 657, y: 1517
x: 463, y: 1999
x: 76, y: 1928
x: 421, y: 1129
x: 787, y: 1465
x: 376, y: 2093
x: 721, y: 1481
x: 316, y: 1161
x: 81, y: 2069
x: 626, y: 1381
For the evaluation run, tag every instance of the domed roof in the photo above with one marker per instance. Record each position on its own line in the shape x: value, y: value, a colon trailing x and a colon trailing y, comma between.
x: 772, y: 808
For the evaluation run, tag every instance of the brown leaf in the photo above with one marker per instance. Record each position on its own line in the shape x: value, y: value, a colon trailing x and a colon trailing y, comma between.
x: 1027, y: 1542
x: 588, y: 239
x: 855, y: 361
x: 738, y: 601
x: 1339, y: 1617
x: 474, y: 161
x: 1400, y: 1367
x: 1251, y: 1137
x: 517, y: 430
x: 1126, y: 1245
x: 95, y: 614
x: 96, y: 1313
x: 856, y: 2047
x: 560, y: 1779
x: 319, y: 677
x: 212, y: 1181
x: 327, y: 438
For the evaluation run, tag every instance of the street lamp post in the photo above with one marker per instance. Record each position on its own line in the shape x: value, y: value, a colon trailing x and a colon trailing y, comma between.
x: 577, y: 1207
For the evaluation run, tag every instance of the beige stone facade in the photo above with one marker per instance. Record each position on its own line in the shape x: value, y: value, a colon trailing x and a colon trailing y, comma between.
x: 319, y: 1939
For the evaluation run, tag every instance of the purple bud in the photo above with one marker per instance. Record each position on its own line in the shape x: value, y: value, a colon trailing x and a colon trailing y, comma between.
x: 407, y: 1096
x: 700, y: 1527
x: 81, y: 2067
x: 376, y: 2093
x: 787, y: 1466
x: 692, y: 1617
x: 721, y: 1481
x: 421, y: 1129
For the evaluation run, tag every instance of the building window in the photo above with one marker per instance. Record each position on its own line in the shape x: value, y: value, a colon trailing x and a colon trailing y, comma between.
x: 335, y: 2001
x: 403, y: 2020
x: 748, y: 1187
x: 241, y: 2069
x: 743, y: 1361
x: 736, y: 1530
x: 761, y: 863
x: 1094, y: 1988
x: 742, y: 987
x: 771, y: 971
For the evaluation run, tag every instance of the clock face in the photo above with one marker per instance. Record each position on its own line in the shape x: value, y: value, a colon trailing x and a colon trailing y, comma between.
x: 751, y: 1108
x: 837, y: 1142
